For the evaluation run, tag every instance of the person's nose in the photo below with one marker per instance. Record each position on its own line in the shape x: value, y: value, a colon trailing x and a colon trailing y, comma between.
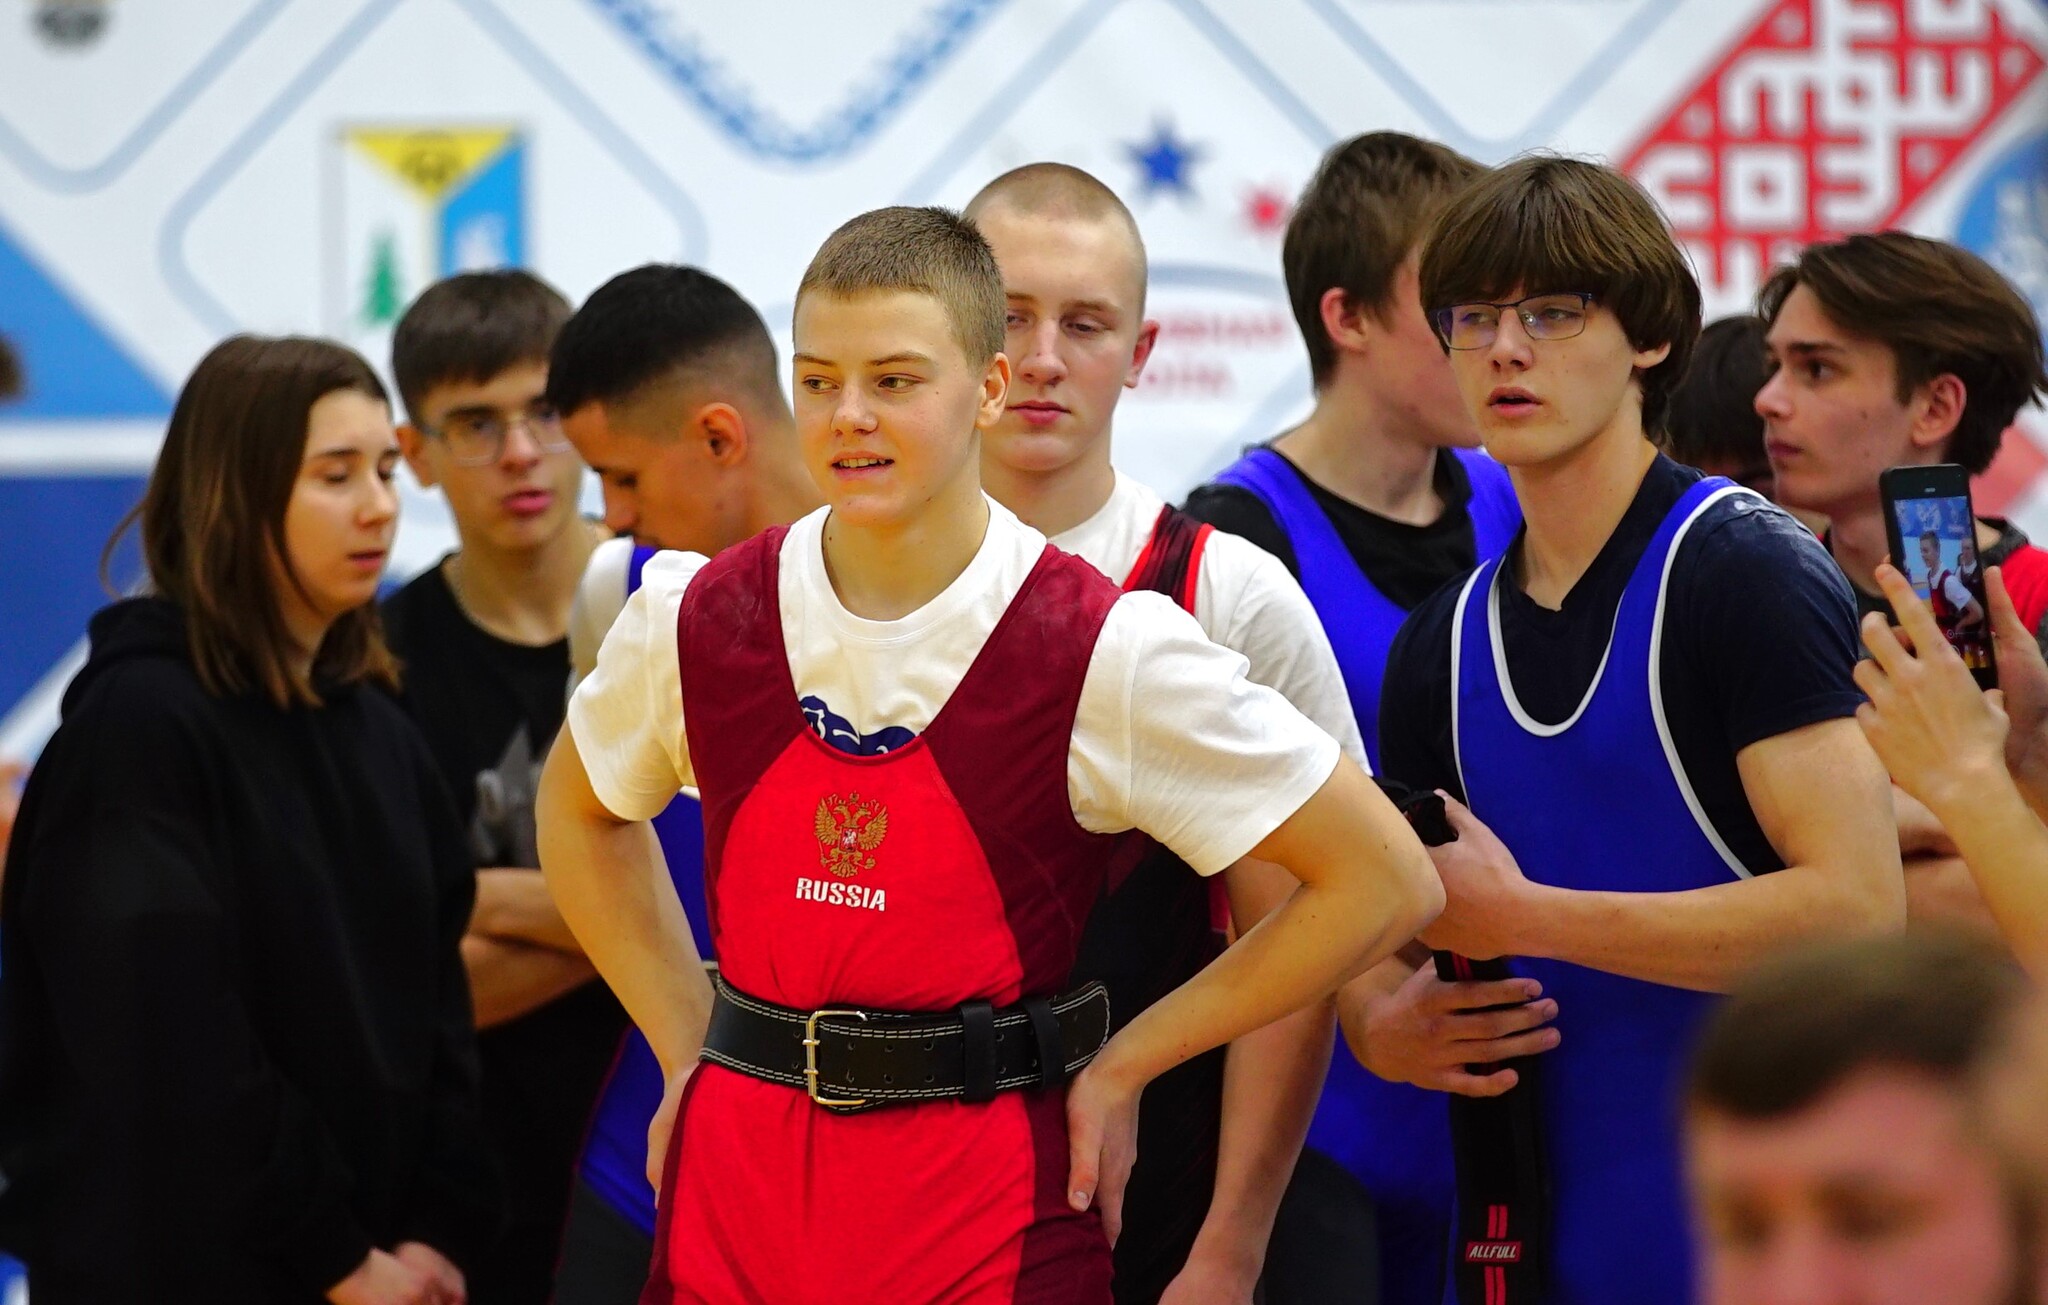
x: 621, y: 509
x: 1774, y: 400
x: 1511, y: 347
x: 1040, y: 362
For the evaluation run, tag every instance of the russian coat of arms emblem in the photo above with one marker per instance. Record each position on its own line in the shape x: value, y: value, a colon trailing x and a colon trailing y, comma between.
x: 849, y: 828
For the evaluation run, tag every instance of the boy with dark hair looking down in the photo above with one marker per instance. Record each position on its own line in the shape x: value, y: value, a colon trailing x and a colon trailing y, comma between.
x: 666, y: 383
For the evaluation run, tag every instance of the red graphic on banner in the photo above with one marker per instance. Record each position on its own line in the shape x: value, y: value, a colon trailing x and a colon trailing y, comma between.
x: 1266, y: 210
x: 1826, y: 117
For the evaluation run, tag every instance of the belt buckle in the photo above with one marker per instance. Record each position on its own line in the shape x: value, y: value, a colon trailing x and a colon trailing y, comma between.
x: 811, y: 1056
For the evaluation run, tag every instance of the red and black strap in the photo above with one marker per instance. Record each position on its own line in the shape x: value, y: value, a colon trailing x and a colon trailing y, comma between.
x: 1171, y: 562
x: 1503, y: 1181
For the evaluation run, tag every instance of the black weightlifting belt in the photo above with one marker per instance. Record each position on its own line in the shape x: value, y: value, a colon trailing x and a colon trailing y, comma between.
x: 850, y: 1060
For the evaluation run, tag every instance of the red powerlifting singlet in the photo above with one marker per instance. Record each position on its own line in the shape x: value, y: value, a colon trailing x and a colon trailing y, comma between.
x: 949, y: 870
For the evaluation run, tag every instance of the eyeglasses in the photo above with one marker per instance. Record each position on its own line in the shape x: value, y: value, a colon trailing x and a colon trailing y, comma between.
x: 477, y: 439
x: 1544, y: 317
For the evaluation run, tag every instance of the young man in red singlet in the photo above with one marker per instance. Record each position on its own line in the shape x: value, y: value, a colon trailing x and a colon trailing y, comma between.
x: 1219, y: 1136
x: 886, y: 1111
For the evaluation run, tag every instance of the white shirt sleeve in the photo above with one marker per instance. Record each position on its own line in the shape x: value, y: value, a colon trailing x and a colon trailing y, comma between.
x: 1263, y: 613
x: 1172, y: 738
x: 599, y: 597
x: 1956, y: 591
x: 627, y: 714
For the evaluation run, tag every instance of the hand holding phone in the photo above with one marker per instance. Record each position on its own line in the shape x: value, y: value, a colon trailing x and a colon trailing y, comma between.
x: 1931, y: 530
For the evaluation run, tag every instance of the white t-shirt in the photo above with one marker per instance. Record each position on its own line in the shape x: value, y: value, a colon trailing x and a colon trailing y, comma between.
x: 1170, y: 736
x: 1244, y: 599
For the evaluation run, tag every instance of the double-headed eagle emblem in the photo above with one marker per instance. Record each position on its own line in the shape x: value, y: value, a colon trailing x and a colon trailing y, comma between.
x: 849, y: 827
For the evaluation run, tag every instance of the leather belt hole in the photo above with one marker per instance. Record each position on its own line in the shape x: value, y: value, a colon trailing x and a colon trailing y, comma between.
x: 928, y: 1078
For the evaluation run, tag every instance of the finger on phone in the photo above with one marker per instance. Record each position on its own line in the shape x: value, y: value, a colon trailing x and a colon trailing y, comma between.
x: 2006, y: 625
x: 1915, y: 617
x: 1884, y: 645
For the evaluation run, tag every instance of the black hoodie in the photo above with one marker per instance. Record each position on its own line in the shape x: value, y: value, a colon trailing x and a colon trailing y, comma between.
x: 235, y: 1038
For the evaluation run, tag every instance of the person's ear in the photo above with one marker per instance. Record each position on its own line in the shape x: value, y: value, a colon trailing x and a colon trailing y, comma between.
x: 724, y: 433
x: 1645, y: 359
x: 1937, y: 408
x: 1141, y: 353
x: 413, y: 447
x: 995, y: 390
x: 1344, y: 321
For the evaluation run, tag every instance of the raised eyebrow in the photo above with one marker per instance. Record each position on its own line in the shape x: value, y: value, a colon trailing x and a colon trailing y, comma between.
x: 813, y: 359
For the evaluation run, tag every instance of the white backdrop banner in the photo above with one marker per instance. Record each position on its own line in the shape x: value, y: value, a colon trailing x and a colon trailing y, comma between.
x: 172, y: 171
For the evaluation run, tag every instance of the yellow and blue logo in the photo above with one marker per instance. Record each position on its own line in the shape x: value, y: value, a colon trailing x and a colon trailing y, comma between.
x: 417, y: 204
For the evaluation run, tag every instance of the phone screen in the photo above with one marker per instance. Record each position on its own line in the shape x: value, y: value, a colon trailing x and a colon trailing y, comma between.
x: 1939, y: 539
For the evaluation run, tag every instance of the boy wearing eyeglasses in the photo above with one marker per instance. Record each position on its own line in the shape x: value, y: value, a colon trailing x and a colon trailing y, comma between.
x: 1647, y: 702
x: 483, y: 641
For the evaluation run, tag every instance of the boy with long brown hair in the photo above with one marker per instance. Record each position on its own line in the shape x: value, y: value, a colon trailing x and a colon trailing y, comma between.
x: 1647, y: 700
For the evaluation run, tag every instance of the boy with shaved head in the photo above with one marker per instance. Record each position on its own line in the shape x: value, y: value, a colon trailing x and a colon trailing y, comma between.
x: 1218, y: 1136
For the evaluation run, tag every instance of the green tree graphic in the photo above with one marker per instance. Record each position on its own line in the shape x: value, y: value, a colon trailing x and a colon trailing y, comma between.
x: 384, y: 296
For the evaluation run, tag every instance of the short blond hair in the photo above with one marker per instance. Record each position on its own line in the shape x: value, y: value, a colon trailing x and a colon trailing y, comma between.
x: 1060, y: 190
x: 928, y: 251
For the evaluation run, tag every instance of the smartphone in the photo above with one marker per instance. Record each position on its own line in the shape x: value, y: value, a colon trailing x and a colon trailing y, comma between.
x: 1933, y: 537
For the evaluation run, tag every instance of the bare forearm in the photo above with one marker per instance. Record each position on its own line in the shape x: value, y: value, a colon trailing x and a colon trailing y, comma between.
x: 610, y: 884
x: 1703, y: 938
x: 508, y: 979
x: 1367, y: 888
x: 1271, y: 1079
x: 1941, y: 890
x: 2006, y: 847
x: 514, y: 905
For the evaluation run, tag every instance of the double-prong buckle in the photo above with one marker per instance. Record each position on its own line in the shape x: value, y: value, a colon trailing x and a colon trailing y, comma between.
x: 811, y: 1056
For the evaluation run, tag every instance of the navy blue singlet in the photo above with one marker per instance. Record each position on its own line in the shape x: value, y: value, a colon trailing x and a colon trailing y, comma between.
x: 1393, y: 1137
x: 1600, y: 802
x: 614, y: 1159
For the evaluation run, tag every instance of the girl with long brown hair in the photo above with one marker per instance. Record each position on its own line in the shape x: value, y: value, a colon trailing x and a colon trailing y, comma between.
x: 236, y: 1061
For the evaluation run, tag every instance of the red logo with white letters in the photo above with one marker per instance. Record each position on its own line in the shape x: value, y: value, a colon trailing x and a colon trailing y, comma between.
x: 1826, y: 117
x: 1493, y: 1252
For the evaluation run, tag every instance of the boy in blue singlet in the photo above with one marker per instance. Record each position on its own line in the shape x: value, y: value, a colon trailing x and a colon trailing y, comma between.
x: 1660, y: 746
x: 1376, y: 501
x: 667, y: 382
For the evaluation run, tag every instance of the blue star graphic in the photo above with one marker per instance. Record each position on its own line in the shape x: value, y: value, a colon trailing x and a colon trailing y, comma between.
x: 1165, y: 161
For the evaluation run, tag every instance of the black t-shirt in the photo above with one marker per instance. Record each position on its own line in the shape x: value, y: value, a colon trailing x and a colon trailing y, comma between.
x: 1760, y: 639
x: 1406, y: 563
x: 489, y: 710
